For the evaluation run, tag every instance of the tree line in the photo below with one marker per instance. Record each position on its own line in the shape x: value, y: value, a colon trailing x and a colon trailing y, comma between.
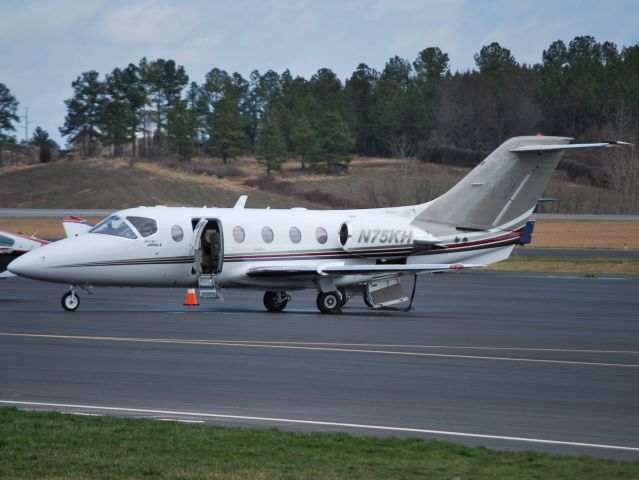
x: 409, y: 108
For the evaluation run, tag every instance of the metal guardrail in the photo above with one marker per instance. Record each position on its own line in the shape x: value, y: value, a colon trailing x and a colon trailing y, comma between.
x: 52, y: 212
x: 609, y: 218
x: 65, y: 212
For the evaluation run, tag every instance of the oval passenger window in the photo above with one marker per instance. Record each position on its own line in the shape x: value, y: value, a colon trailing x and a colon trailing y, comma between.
x: 238, y: 234
x: 321, y: 235
x: 267, y: 234
x: 177, y: 233
x: 295, y: 235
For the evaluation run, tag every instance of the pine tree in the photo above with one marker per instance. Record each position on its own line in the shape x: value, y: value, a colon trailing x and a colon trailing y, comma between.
x: 271, y: 147
x: 336, y: 143
x: 182, y: 130
x: 8, y: 109
x: 303, y: 139
x: 83, y: 110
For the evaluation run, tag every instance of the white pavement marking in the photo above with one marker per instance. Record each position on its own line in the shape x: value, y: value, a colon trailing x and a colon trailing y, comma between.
x: 323, y: 423
x: 222, y: 343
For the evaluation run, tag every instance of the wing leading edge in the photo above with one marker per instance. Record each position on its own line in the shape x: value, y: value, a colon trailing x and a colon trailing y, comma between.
x: 333, y: 269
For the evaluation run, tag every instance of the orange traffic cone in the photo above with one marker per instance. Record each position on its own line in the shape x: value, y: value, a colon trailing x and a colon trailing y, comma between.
x: 191, y: 298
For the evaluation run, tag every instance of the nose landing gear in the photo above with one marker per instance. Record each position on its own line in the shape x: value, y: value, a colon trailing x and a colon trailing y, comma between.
x: 276, y: 301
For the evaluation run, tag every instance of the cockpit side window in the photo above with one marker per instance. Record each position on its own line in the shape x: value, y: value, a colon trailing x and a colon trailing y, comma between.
x: 6, y: 241
x: 115, y: 226
x: 146, y: 226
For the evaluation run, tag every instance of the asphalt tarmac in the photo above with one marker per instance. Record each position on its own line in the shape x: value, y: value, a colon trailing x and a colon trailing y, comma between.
x: 505, y: 360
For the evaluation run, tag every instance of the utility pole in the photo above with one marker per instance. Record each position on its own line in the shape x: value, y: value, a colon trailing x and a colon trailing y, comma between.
x: 26, y: 125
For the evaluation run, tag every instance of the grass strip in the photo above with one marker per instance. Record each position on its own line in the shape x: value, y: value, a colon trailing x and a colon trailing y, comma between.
x: 585, y: 266
x: 54, y: 445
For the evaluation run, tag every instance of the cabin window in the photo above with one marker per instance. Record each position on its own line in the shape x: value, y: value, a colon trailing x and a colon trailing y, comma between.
x: 295, y: 235
x: 115, y: 226
x: 267, y: 234
x: 177, y: 233
x: 6, y: 241
x: 145, y: 226
x: 321, y: 235
x: 238, y: 234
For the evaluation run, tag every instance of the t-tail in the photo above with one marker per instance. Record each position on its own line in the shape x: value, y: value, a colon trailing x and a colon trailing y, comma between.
x: 502, y: 191
x: 74, y: 226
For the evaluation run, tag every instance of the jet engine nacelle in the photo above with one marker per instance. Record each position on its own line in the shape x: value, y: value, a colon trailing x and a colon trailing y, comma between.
x: 358, y: 234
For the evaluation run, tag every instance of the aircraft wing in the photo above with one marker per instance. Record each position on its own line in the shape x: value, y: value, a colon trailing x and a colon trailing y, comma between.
x: 568, y: 146
x: 335, y: 269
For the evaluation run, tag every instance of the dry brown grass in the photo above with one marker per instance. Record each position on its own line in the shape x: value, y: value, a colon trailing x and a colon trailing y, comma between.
x: 586, y: 234
x: 48, y: 227
x: 580, y: 266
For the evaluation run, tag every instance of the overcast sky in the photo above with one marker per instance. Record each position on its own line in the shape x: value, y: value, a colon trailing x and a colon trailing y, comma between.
x: 45, y: 45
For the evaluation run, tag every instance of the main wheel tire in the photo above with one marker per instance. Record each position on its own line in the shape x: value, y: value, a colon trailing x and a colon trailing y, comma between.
x: 275, y: 301
x: 70, y: 301
x: 366, y: 300
x: 344, y: 299
x: 328, y: 302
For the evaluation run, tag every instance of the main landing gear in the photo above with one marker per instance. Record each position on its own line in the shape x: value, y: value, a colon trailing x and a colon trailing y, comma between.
x: 276, y: 301
x: 327, y: 302
x: 70, y: 301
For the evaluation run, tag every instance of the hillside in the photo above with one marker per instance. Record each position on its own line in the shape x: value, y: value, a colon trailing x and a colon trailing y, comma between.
x: 370, y: 182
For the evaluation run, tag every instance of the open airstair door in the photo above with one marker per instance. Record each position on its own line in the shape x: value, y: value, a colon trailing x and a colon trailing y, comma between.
x: 385, y: 292
x: 208, y: 254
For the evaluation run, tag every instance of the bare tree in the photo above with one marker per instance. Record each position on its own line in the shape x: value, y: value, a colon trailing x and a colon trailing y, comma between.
x: 400, y: 145
x: 621, y: 165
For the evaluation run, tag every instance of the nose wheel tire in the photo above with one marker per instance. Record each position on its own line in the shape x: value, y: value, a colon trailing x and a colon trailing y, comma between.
x: 329, y: 302
x: 275, y: 301
x: 70, y: 301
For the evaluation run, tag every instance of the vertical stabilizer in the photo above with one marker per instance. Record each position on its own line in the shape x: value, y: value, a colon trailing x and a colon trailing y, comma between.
x: 503, y: 187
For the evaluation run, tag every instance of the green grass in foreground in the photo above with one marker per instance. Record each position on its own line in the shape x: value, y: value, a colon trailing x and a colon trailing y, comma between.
x: 53, y: 445
x: 585, y: 266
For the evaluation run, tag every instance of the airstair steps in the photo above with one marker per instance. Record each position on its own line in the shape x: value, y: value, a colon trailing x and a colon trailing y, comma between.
x: 207, y: 285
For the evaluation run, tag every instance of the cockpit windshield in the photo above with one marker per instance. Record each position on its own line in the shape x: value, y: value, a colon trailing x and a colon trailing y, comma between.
x: 145, y: 226
x: 115, y: 226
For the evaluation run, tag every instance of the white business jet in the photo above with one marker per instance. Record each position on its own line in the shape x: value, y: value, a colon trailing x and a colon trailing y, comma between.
x: 337, y: 252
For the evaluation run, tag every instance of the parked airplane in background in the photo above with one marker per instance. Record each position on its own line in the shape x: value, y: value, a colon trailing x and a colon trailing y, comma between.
x: 337, y: 252
x: 12, y: 245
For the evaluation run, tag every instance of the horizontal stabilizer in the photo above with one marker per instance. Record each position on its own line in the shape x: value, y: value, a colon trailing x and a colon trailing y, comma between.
x: 559, y: 147
x: 74, y: 226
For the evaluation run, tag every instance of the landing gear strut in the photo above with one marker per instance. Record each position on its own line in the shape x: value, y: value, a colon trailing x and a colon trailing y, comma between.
x: 276, y: 301
x: 329, y: 302
x: 70, y: 301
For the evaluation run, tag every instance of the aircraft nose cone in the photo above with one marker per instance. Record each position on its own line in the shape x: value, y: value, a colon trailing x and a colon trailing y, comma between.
x: 27, y: 265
